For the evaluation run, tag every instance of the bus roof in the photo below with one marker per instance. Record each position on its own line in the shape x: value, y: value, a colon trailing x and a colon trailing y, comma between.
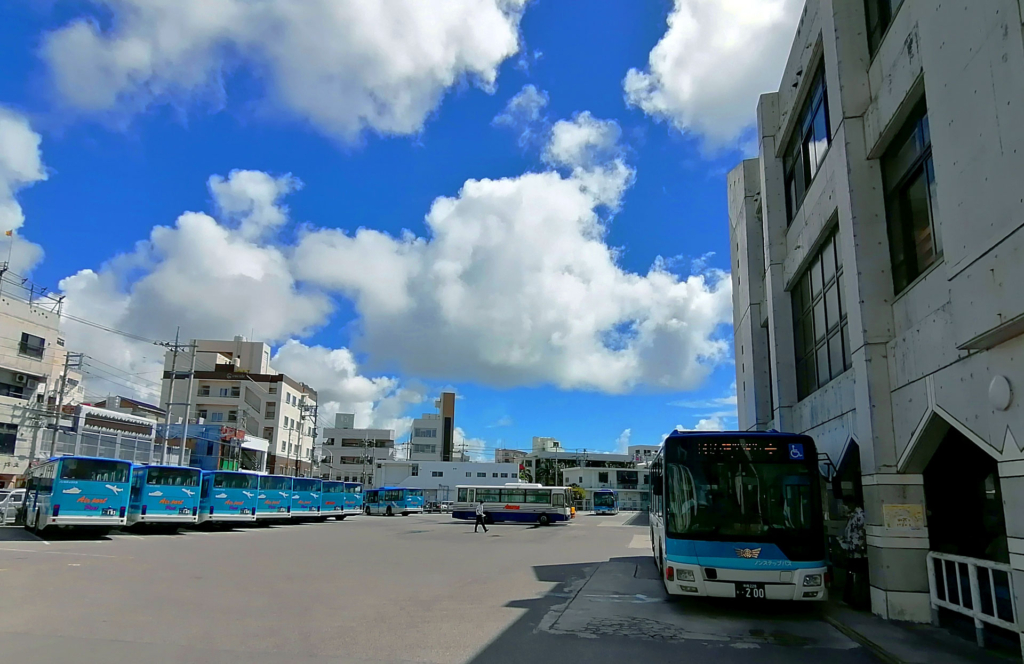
x: 393, y: 488
x: 90, y: 458
x: 142, y: 466
x: 604, y: 490
x: 730, y: 434
x: 506, y: 486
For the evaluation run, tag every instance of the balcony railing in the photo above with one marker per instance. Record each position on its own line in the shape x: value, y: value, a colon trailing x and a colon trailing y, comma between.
x: 979, y: 589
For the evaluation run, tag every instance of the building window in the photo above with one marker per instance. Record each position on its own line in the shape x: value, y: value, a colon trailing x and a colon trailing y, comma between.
x: 268, y: 432
x: 216, y: 417
x: 879, y: 15
x: 504, y: 474
x: 236, y: 391
x: 819, y: 320
x: 808, y: 144
x: 204, y: 390
x: 271, y: 412
x: 223, y: 392
x: 602, y: 478
x: 437, y: 473
x: 273, y: 389
x: 908, y: 175
x: 31, y: 345
x: 415, y: 470
x: 232, y: 416
x: 469, y: 474
x: 424, y: 433
x: 481, y: 474
x: 201, y: 414
x: 8, y: 437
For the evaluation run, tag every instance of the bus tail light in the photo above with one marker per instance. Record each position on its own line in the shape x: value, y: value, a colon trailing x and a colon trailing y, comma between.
x: 56, y: 510
x: 195, y: 510
x: 670, y: 573
x: 144, y: 509
x: 211, y: 509
x: 122, y: 511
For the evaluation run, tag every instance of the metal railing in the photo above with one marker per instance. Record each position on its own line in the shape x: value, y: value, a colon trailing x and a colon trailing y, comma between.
x: 979, y: 589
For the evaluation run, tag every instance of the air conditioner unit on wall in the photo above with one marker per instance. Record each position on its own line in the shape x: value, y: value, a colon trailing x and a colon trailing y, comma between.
x: 32, y: 383
x: 20, y: 379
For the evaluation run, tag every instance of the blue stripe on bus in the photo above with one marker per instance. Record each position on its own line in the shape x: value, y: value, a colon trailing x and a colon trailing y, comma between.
x: 732, y: 555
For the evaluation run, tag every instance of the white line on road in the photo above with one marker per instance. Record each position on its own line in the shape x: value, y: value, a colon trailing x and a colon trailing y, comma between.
x: 63, y: 553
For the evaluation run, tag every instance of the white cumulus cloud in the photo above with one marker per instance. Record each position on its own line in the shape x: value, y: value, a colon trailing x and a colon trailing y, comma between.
x: 515, y: 285
x: 21, y: 165
x: 341, y: 67
x: 716, y: 57
x: 524, y: 113
x: 622, y: 442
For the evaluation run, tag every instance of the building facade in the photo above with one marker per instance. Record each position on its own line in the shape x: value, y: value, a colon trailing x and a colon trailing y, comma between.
x: 632, y: 485
x: 877, y: 255
x: 548, y: 461
x: 505, y: 455
x: 349, y: 454
x: 234, y: 386
x: 433, y: 435
x: 438, y: 479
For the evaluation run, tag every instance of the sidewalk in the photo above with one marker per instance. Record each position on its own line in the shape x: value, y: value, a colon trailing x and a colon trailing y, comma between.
x: 908, y: 643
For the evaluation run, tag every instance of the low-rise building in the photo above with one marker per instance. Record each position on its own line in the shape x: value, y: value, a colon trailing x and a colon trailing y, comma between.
x: 99, y: 432
x: 438, y: 479
x: 642, y: 454
x: 349, y: 454
x: 133, y: 406
x: 632, y: 485
x: 433, y: 434
x: 505, y: 455
x: 548, y: 460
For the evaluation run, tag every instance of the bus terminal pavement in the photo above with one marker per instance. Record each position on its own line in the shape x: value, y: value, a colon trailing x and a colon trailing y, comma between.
x: 423, y: 588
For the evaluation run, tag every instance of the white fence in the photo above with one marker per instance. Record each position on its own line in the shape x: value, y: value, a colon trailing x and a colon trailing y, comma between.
x: 979, y: 589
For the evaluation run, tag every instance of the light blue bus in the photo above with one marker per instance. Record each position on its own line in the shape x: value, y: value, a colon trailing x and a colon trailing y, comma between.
x: 166, y: 495
x: 341, y: 499
x: 77, y: 492
x: 306, y: 497
x: 274, y: 500
x: 739, y: 514
x: 392, y: 500
x: 228, y: 496
x: 606, y: 501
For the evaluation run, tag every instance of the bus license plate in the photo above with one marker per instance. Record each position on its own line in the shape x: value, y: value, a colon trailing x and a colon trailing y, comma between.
x: 312, y: 508
x: 244, y: 510
x: 109, y: 511
x: 750, y: 591
x: 184, y: 510
x: 282, y: 509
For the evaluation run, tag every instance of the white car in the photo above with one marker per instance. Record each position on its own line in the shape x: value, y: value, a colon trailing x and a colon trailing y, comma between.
x: 10, y: 504
x: 446, y: 506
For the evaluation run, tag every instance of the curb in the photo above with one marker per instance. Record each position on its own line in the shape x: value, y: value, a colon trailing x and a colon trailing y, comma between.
x: 875, y: 649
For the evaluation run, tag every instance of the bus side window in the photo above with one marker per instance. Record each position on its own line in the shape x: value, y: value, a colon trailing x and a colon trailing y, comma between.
x: 557, y: 499
x: 472, y: 495
x: 463, y: 495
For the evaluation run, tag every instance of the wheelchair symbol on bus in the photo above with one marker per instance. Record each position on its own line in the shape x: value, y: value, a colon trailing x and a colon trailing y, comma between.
x: 796, y: 451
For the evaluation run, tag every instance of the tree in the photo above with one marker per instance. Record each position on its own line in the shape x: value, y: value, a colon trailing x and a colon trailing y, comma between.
x: 578, y: 495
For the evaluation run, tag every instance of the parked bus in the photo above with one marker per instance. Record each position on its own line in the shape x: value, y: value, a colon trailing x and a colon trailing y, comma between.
x: 306, y: 497
x: 606, y: 501
x: 228, y: 496
x: 164, y: 494
x: 391, y: 500
x: 739, y: 514
x: 274, y: 500
x: 79, y: 492
x: 521, y: 503
x: 341, y: 499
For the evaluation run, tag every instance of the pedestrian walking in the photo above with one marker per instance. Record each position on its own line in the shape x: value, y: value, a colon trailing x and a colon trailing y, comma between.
x: 480, y: 517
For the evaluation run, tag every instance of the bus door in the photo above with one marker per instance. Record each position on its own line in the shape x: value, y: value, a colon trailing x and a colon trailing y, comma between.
x: 558, y: 500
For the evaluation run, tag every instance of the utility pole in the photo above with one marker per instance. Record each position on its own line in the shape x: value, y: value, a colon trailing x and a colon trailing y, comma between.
x: 304, y: 412
x: 68, y: 359
x: 188, y: 404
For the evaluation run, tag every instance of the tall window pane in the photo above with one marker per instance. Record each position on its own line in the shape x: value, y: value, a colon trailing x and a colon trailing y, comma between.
x: 808, y: 143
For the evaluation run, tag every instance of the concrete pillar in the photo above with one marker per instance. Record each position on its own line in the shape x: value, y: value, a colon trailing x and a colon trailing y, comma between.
x: 1011, y: 484
x: 775, y: 224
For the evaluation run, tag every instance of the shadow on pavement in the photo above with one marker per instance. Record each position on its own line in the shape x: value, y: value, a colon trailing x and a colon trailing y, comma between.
x: 16, y: 534
x: 617, y: 611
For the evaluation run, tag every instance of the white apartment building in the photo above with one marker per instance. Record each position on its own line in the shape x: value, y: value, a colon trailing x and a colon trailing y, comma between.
x: 350, y: 454
x: 234, y: 385
x: 631, y: 484
x: 31, y: 367
x: 877, y: 261
x: 549, y: 459
x: 438, y: 479
x: 505, y: 455
x: 642, y: 454
x: 433, y: 434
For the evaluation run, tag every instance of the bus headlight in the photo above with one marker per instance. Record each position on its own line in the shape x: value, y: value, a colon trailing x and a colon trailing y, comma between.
x: 812, y: 580
x: 685, y: 574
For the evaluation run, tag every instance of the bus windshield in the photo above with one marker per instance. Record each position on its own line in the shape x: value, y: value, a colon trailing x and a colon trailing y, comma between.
x: 275, y: 483
x: 172, y: 477
x: 234, y: 481
x: 604, y: 500
x: 94, y: 470
x: 739, y: 497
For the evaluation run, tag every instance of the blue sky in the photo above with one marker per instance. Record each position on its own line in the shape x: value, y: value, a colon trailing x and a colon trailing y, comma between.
x: 532, y: 297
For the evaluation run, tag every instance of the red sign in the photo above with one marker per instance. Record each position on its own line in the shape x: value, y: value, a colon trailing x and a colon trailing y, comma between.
x: 511, y: 507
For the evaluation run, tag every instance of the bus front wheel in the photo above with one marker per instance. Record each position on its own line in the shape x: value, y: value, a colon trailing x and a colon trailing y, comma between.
x: 340, y: 518
x: 543, y: 520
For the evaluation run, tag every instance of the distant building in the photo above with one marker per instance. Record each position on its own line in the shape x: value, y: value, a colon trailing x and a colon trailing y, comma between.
x: 642, y: 453
x: 349, y: 454
x: 235, y: 387
x: 505, y: 455
x: 433, y: 434
x: 133, y: 406
x: 99, y: 432
x: 632, y: 485
x: 438, y: 479
x: 546, y: 463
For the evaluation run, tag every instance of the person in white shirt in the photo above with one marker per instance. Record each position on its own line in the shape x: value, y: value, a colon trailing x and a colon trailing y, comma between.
x: 480, y: 517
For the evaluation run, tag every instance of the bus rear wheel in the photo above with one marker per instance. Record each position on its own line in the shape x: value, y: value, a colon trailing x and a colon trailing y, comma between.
x: 543, y: 520
x: 366, y: 511
x: 389, y: 512
x: 340, y: 518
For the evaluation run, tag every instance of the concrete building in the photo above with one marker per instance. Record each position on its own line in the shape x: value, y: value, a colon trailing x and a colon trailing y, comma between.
x: 100, y: 432
x: 632, y: 485
x: 548, y: 460
x: 349, y: 454
x: 438, y: 479
x: 433, y: 435
x: 877, y: 256
x: 235, y: 386
x: 31, y: 367
x: 133, y: 406
x: 642, y: 454
x: 505, y: 455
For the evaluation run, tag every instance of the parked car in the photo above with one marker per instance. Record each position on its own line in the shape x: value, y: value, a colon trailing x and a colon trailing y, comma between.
x: 446, y: 505
x: 9, y: 506
x: 432, y: 508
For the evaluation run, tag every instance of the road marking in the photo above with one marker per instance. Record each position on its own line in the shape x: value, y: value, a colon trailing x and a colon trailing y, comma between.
x: 642, y: 541
x: 63, y: 553
x: 74, y: 564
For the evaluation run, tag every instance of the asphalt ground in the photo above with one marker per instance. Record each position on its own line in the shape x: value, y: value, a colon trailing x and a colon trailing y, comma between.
x: 422, y: 588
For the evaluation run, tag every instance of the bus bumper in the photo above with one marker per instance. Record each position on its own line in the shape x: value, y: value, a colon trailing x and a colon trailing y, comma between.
x: 273, y: 515
x: 691, y: 580
x: 98, y: 521
x: 164, y: 518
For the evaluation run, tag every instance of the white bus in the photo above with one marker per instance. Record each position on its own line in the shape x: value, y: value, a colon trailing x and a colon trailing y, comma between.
x: 520, y: 503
